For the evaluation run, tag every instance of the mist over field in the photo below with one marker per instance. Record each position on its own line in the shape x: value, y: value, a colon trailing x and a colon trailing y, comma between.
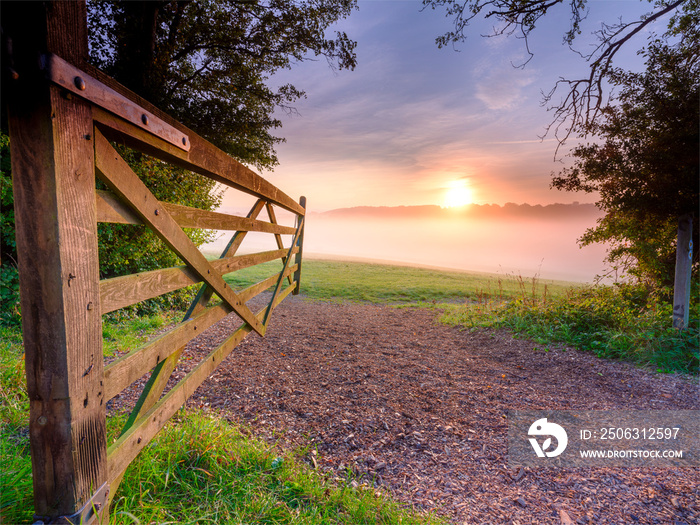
x: 512, y: 239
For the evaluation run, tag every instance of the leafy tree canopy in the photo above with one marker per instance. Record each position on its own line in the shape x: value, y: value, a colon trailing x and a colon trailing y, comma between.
x: 206, y: 62
x: 645, y: 167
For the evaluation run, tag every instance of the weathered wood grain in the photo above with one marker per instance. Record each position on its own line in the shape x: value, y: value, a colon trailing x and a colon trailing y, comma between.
x: 112, y: 209
x: 300, y: 246
x: 98, y: 94
x: 129, y: 444
x: 119, y: 292
x: 205, y: 292
x: 117, y: 175
x: 278, y: 238
x: 203, y: 158
x: 278, y: 286
x: 132, y: 366
x: 53, y: 184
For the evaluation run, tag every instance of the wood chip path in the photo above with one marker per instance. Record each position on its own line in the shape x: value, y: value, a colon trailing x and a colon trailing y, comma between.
x: 417, y: 409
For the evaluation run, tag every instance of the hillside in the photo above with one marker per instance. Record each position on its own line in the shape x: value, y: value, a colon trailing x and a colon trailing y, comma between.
x: 472, y: 211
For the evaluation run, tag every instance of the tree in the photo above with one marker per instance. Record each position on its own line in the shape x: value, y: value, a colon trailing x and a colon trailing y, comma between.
x: 645, y: 168
x: 206, y: 62
x: 583, y: 98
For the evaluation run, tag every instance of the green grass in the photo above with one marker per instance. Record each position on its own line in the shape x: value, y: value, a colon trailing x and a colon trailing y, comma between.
x: 199, y: 469
x: 382, y: 283
x: 15, y: 464
x: 617, y: 322
x: 123, y: 333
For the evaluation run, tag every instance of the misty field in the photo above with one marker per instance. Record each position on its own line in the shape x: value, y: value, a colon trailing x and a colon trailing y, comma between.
x: 524, y: 240
x: 394, y: 284
x: 625, y: 322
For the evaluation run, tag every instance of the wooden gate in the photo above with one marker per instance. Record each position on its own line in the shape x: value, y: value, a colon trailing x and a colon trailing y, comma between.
x: 64, y: 118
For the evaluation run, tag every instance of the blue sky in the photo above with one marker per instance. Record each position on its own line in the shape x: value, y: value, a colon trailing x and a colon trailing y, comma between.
x: 413, y: 120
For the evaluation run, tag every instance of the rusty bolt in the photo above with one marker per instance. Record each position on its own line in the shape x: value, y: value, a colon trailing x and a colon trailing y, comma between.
x: 79, y: 83
x: 144, y: 119
x: 42, y: 420
x: 184, y: 141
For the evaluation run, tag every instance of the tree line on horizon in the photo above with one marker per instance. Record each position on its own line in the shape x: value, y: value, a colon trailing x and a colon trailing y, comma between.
x: 508, y: 209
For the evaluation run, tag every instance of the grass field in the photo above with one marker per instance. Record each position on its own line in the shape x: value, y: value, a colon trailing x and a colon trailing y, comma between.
x: 384, y: 283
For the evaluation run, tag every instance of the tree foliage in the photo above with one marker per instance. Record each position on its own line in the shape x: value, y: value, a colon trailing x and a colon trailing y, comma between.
x: 583, y: 98
x: 645, y: 168
x: 9, y: 281
x: 206, y: 62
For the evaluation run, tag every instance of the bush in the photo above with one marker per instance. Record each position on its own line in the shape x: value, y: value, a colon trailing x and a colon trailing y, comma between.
x: 9, y: 296
x: 618, y: 322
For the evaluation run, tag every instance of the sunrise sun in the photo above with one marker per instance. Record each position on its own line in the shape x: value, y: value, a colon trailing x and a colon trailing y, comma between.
x: 457, y: 194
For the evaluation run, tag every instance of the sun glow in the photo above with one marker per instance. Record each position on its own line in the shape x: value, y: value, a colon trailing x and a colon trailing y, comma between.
x: 457, y: 194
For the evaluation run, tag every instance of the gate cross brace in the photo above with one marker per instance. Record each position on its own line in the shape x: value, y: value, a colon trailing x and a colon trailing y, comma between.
x: 116, y: 173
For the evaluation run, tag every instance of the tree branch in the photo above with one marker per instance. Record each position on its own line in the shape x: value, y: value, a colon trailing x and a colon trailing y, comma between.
x: 582, y: 103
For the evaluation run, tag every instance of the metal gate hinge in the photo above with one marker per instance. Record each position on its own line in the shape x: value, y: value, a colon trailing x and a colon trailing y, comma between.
x: 88, y: 514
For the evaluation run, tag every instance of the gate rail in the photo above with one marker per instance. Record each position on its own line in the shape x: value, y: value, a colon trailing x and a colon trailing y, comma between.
x: 64, y: 116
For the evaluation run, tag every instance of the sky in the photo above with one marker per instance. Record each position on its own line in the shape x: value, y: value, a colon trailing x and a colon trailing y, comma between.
x: 412, y: 121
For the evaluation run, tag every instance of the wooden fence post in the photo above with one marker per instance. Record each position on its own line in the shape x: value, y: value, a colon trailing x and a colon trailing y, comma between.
x: 51, y: 140
x: 684, y: 264
x: 300, y: 243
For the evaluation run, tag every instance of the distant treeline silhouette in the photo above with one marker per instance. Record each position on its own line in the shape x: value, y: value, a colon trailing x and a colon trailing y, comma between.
x: 471, y: 211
